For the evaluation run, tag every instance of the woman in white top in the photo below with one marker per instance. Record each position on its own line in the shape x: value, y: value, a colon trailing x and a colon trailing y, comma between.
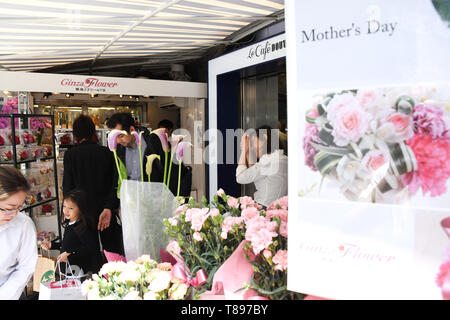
x: 264, y: 167
x: 18, y: 248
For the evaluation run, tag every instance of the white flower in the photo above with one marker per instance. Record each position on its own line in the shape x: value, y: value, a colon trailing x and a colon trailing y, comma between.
x: 93, y: 294
x: 87, y: 286
x: 178, y: 291
x: 151, y: 296
x: 112, y: 267
x: 129, y: 276
x: 132, y: 295
x: 161, y: 281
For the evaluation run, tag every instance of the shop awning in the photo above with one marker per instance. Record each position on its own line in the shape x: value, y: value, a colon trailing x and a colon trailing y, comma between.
x: 38, y: 34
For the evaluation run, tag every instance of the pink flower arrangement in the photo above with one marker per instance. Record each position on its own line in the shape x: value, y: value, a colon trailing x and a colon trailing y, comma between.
x: 372, y: 142
x: 228, y: 224
x: 233, y: 202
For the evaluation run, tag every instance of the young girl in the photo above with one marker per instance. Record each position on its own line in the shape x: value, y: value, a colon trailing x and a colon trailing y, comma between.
x: 80, y: 242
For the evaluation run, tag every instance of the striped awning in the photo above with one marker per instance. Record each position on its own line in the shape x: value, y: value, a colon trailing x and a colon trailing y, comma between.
x: 38, y: 34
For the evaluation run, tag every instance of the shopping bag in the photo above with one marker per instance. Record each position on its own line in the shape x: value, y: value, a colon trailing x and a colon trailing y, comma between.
x: 67, y: 288
x: 43, y: 266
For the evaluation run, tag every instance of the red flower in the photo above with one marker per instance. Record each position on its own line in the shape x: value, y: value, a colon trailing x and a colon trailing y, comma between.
x: 2, y: 141
x: 47, y: 208
x: 23, y: 155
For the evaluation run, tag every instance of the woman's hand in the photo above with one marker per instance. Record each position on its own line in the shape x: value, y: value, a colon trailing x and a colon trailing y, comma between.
x: 46, y: 245
x: 245, y: 143
x: 63, y: 257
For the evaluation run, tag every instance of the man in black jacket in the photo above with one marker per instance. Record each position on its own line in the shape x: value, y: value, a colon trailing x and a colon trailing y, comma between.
x: 91, y: 167
x: 127, y: 151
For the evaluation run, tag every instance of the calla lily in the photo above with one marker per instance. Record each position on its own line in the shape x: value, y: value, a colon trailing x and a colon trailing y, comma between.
x: 174, y: 141
x: 150, y: 159
x: 180, y: 150
x: 162, y: 135
x: 180, y: 153
x: 137, y: 137
x: 112, y: 138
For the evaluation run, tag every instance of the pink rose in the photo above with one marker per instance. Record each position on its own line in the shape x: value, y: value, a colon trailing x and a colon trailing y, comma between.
x: 233, y: 202
x: 281, y: 260
x: 374, y: 159
x: 220, y: 192
x: 173, y: 247
x: 249, y: 213
x: 197, y: 236
x: 349, y: 124
x: 401, y: 126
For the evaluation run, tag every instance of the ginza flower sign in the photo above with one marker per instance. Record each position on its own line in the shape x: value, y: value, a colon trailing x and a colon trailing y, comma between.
x: 371, y: 155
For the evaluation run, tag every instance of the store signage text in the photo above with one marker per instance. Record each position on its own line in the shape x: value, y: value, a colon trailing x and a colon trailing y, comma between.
x: 88, y: 83
x: 347, y: 251
x: 262, y: 50
x: 371, y: 27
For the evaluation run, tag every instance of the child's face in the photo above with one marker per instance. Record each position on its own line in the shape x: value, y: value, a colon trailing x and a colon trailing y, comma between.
x: 70, y: 210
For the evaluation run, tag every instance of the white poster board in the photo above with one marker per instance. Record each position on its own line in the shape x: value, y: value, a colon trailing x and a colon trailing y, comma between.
x: 369, y: 143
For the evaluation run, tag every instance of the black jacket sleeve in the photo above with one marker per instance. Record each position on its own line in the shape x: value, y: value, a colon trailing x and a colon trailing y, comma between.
x: 112, y: 202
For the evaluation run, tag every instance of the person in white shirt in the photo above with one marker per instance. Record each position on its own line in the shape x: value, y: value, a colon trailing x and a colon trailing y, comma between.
x: 18, y: 253
x: 264, y: 167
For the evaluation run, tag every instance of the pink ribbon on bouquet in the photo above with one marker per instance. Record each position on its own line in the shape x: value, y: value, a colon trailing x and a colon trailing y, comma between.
x: 445, y: 289
x: 179, y: 271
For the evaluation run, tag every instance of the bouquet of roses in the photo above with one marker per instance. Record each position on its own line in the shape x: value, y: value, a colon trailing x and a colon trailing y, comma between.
x: 6, y: 155
x: 141, y: 279
x: 205, y: 235
x: 11, y: 106
x: 374, y: 143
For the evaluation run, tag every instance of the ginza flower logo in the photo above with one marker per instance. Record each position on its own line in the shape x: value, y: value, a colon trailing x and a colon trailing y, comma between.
x: 347, y: 251
x: 88, y: 83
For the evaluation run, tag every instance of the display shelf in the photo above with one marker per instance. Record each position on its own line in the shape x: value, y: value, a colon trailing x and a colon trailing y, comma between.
x: 23, y: 123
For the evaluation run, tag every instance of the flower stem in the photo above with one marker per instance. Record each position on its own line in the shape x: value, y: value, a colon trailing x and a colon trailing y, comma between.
x: 170, y: 170
x: 117, y: 165
x: 142, y: 164
x: 165, y: 167
x: 179, y: 179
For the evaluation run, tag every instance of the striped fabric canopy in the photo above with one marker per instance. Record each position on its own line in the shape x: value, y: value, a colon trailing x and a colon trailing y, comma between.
x: 38, y: 34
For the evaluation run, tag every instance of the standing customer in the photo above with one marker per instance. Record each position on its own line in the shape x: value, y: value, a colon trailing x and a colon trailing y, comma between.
x: 91, y: 168
x: 18, y: 247
x: 264, y: 165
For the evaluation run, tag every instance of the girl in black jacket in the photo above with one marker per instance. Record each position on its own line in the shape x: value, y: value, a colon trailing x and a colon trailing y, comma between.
x: 80, y: 244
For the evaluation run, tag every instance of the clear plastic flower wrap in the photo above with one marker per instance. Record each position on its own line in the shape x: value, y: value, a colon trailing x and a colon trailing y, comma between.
x: 144, y: 206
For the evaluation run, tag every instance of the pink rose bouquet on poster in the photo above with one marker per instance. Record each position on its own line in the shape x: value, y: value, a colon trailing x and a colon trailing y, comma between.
x: 373, y: 145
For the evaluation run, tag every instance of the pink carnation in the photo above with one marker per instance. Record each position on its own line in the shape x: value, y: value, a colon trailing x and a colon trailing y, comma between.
x: 283, y: 203
x: 233, y: 202
x: 220, y: 192
x: 428, y: 119
x: 433, y: 161
x: 228, y: 224
x: 173, y: 221
x: 173, y: 247
x: 260, y: 232
x: 262, y: 240
x: 246, y: 202
x: 284, y: 229
x: 311, y: 135
x: 249, y: 213
x: 181, y: 209
x: 279, y: 213
x: 281, y: 260
x: 198, y: 217
x: 214, y: 212
x: 197, y: 236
